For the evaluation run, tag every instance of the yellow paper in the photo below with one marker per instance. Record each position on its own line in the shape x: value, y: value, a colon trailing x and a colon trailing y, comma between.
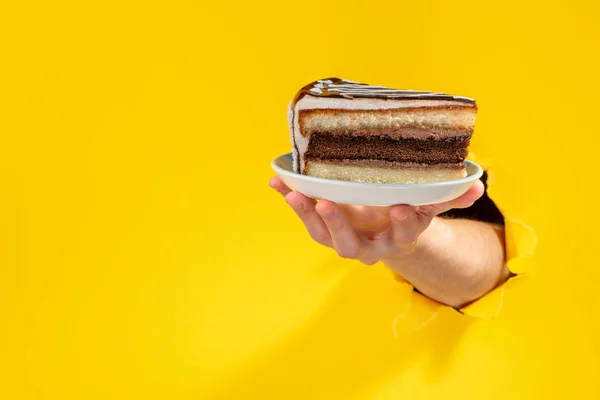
x: 143, y: 255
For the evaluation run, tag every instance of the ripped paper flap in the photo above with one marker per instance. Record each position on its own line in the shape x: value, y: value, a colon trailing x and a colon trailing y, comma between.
x: 521, y: 242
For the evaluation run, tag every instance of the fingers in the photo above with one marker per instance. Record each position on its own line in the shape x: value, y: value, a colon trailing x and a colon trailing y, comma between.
x: 277, y: 184
x: 329, y: 224
x: 345, y: 240
x: 305, y: 209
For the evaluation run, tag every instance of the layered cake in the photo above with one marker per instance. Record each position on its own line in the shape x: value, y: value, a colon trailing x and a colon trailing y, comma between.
x: 351, y: 131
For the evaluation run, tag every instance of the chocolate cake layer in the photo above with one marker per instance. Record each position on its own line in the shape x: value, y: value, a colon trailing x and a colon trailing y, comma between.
x: 423, y: 151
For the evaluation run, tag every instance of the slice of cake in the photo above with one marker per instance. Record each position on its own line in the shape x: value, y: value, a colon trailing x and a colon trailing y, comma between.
x: 356, y: 132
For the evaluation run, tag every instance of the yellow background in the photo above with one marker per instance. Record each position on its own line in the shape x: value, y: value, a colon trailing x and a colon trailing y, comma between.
x: 143, y: 256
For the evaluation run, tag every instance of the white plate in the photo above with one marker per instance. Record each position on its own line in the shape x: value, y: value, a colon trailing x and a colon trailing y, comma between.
x: 374, y: 194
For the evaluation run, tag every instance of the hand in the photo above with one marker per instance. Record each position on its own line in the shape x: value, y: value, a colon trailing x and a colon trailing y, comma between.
x: 368, y: 234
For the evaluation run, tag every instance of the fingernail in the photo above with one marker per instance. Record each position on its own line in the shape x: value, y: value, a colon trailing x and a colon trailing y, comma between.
x: 401, y: 217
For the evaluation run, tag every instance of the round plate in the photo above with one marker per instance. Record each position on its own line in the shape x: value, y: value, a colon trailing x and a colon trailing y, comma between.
x: 374, y: 194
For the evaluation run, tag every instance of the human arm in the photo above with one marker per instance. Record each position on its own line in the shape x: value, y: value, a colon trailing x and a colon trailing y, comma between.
x: 451, y: 261
x: 454, y: 261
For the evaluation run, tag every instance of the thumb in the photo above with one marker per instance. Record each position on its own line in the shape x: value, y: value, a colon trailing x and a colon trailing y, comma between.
x: 466, y: 200
x: 406, y: 226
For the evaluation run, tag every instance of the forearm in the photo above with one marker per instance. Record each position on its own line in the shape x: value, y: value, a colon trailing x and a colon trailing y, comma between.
x: 454, y: 261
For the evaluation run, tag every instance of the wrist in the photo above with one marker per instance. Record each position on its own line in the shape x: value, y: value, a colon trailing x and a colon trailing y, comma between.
x: 399, y: 254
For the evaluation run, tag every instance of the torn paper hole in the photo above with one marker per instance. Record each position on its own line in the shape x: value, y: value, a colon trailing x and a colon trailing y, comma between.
x: 520, y: 241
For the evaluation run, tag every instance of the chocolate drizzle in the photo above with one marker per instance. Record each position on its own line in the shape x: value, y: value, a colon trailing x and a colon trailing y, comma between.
x: 336, y: 87
x: 430, y: 151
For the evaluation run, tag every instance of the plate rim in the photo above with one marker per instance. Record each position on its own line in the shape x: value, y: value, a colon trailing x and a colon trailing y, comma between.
x: 469, y: 178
